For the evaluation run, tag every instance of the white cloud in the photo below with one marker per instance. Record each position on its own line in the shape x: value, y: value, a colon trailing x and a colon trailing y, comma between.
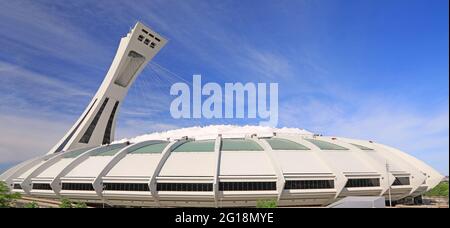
x: 129, y: 128
x: 43, y: 30
x: 422, y: 133
x: 25, y: 137
x: 19, y: 76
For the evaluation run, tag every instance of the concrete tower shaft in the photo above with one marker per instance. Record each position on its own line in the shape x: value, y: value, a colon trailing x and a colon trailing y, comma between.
x: 97, y: 123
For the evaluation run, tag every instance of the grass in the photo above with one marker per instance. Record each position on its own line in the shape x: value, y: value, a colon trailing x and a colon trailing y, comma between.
x: 266, y: 203
x: 440, y: 190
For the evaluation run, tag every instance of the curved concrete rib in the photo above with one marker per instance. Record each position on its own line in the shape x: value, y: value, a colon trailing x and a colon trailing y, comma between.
x: 386, y: 180
x: 276, y: 167
x: 433, y: 177
x: 340, y: 179
x: 98, y: 182
x: 27, y: 183
x: 27, y: 165
x: 11, y: 170
x: 165, y: 154
x: 15, y: 171
x: 417, y: 175
x: 217, y: 146
x: 56, y: 183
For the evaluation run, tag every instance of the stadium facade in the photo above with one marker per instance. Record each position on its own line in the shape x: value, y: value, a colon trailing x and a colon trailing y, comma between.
x: 209, y: 169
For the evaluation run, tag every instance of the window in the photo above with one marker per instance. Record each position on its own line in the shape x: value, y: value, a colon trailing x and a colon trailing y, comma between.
x: 139, y: 187
x: 150, y: 149
x: 146, y: 41
x: 247, y: 186
x: 61, y: 147
x: 323, y: 145
x: 107, y: 135
x: 129, y: 67
x: 361, y: 147
x: 87, y: 135
x: 309, y: 184
x: 196, y: 146
x: 17, y: 186
x: 185, y: 187
x: 152, y: 45
x: 145, y: 31
x: 109, y: 150
x: 78, y: 186
x: 240, y: 144
x: 401, y: 181
x: 41, y: 186
x: 76, y: 153
x: 361, y: 183
x: 141, y: 37
x: 156, y: 38
x: 284, y: 144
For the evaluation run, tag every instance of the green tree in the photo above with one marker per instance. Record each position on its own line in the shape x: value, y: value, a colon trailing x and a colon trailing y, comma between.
x: 80, y: 205
x: 6, y: 197
x: 272, y: 203
x: 66, y: 203
x: 31, y: 205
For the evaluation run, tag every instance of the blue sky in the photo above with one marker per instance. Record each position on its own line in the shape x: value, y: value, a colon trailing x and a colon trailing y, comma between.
x: 372, y: 69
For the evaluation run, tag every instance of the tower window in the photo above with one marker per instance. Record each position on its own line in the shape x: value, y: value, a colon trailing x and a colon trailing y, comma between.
x: 107, y: 135
x: 87, y: 135
x: 128, y: 69
x: 75, y: 129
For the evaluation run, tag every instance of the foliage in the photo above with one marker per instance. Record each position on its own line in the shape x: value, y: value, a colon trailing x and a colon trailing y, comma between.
x: 80, y: 205
x: 31, y: 205
x: 66, y: 203
x: 272, y: 203
x: 440, y: 190
x: 6, y: 197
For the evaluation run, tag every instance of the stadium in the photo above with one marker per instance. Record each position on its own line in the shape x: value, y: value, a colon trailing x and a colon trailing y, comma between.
x: 214, y: 166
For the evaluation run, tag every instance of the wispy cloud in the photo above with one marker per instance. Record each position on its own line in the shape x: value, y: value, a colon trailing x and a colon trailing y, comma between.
x: 12, y: 74
x: 422, y: 134
x: 40, y: 134
x: 24, y: 90
x: 41, y: 28
x: 132, y: 127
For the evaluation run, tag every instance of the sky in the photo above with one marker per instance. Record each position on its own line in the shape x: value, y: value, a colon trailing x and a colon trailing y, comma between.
x: 371, y: 69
